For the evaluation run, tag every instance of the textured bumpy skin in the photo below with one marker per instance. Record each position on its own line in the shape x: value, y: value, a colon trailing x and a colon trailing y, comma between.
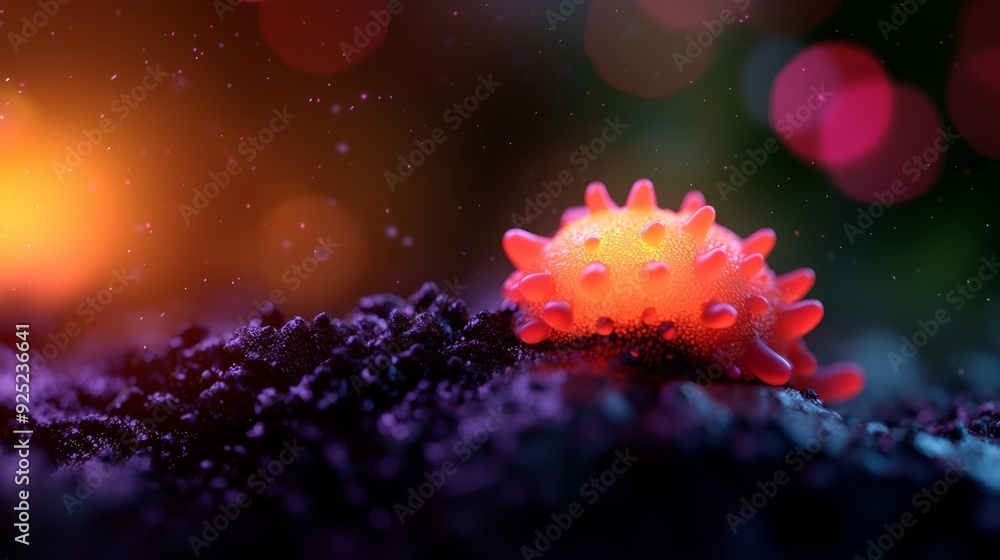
x: 702, y: 295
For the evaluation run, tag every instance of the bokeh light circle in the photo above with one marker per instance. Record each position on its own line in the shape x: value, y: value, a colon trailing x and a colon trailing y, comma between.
x: 60, y: 236
x: 290, y: 251
x: 976, y: 29
x: 631, y: 53
x: 907, y: 162
x: 324, y: 36
x: 832, y: 103
x: 972, y: 99
x: 974, y: 84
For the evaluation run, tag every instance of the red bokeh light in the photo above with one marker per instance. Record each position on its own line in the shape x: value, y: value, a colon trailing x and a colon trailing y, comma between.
x: 324, y: 36
x: 972, y: 98
x: 832, y: 103
x: 685, y: 16
x: 974, y: 84
x: 911, y: 155
x: 976, y: 28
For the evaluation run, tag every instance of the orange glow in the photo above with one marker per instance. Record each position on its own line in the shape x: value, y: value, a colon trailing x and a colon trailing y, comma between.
x: 291, y: 246
x: 54, y: 237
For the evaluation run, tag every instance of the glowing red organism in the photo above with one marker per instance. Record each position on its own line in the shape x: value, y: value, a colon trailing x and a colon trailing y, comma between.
x: 670, y: 287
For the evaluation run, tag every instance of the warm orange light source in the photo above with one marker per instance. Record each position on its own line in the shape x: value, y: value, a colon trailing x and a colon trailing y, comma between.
x: 54, y: 236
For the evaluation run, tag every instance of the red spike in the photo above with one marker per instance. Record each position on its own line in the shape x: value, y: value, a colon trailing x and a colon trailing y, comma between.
x: 798, y: 319
x: 699, y: 223
x: 595, y: 280
x: 534, y: 331
x: 653, y: 233
x: 761, y: 241
x: 766, y: 364
x: 693, y: 200
x: 667, y: 330
x: 750, y: 265
x: 511, y: 287
x: 558, y: 315
x: 597, y: 198
x: 537, y: 287
x: 758, y: 304
x: 642, y: 196
x: 523, y: 248
x: 604, y: 326
x: 834, y: 383
x: 512, y: 278
x: 718, y: 315
x: 572, y: 214
x: 796, y: 284
x: 655, y: 277
x: 710, y: 264
x: 803, y: 361
x: 513, y: 293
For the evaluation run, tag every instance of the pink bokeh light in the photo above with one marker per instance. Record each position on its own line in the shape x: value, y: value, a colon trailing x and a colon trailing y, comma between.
x: 909, y: 159
x: 832, y: 103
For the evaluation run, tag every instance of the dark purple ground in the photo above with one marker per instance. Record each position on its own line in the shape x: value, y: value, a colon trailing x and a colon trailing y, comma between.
x: 139, y: 454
